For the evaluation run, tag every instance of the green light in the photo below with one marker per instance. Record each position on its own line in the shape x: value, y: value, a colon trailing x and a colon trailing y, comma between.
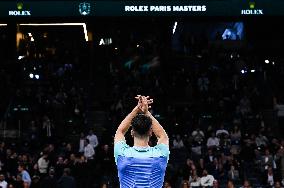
x: 252, y: 5
x: 20, y: 6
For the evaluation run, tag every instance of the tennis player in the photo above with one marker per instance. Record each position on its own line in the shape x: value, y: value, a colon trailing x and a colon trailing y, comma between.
x: 141, y: 166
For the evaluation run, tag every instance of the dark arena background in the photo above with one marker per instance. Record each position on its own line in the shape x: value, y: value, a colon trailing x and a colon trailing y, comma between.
x: 70, y: 70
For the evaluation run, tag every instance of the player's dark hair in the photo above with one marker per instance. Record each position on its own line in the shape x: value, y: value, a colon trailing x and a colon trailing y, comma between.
x: 141, y: 125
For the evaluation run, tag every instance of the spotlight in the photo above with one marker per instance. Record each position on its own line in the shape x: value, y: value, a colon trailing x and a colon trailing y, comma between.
x: 37, y: 76
x: 137, y: 45
x: 21, y: 57
x: 273, y: 63
x: 31, y: 75
x: 266, y: 61
x: 116, y: 48
x: 252, y: 70
x: 30, y: 35
x: 32, y: 39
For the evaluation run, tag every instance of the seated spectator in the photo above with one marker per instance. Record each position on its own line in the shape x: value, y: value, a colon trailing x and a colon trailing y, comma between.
x: 206, y: 179
x: 221, y: 132
x: 49, y: 181
x: 215, y: 184
x: 187, y: 169
x: 277, y: 184
x: 261, y: 140
x: 198, y: 136
x: 66, y: 181
x: 209, y: 159
x: 59, y: 166
x: 194, y: 180
x: 167, y: 184
x: 246, y: 184
x: 266, y: 161
x: 3, y: 183
x: 233, y: 174
x: 235, y: 140
x: 213, y: 141
x: 269, y: 178
x: 230, y: 184
x: 35, y: 182
x: 236, y: 135
x: 178, y: 143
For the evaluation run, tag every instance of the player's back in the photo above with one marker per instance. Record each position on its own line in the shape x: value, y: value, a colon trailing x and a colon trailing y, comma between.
x: 141, y: 167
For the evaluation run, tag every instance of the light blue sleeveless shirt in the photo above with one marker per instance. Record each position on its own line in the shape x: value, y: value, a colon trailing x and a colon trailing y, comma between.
x: 140, y: 167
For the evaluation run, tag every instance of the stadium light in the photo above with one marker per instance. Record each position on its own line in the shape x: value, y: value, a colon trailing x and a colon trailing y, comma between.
x: 21, y: 57
x: 37, y: 76
x: 31, y: 75
x: 84, y: 25
x: 266, y: 61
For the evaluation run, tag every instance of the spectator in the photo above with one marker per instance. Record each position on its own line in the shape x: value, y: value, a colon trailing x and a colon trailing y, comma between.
x: 93, y: 139
x: 26, y: 178
x: 35, y: 182
x: 206, y: 179
x: 43, y: 165
x: 47, y: 127
x: 266, y: 161
x: 246, y: 184
x: 221, y: 131
x: 88, y: 150
x: 194, y: 180
x: 277, y: 185
x: 236, y: 140
x: 81, y: 143
x: 3, y: 183
x: 233, y: 174
x: 66, y: 181
x: 178, y: 143
x: 269, y: 178
x: 49, y: 181
x: 230, y: 184
x: 261, y: 140
x: 215, y: 184
x: 213, y: 141
x: 198, y: 135
x: 60, y: 166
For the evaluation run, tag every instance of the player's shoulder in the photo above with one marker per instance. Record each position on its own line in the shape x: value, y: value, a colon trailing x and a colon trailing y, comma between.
x: 163, y: 149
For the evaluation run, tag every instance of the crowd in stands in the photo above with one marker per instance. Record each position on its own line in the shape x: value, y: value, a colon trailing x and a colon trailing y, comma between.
x: 211, y: 111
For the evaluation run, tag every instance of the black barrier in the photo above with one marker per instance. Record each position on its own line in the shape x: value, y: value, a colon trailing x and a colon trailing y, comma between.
x: 141, y: 8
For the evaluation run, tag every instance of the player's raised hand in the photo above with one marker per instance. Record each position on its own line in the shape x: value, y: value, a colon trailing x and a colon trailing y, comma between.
x: 144, y: 102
